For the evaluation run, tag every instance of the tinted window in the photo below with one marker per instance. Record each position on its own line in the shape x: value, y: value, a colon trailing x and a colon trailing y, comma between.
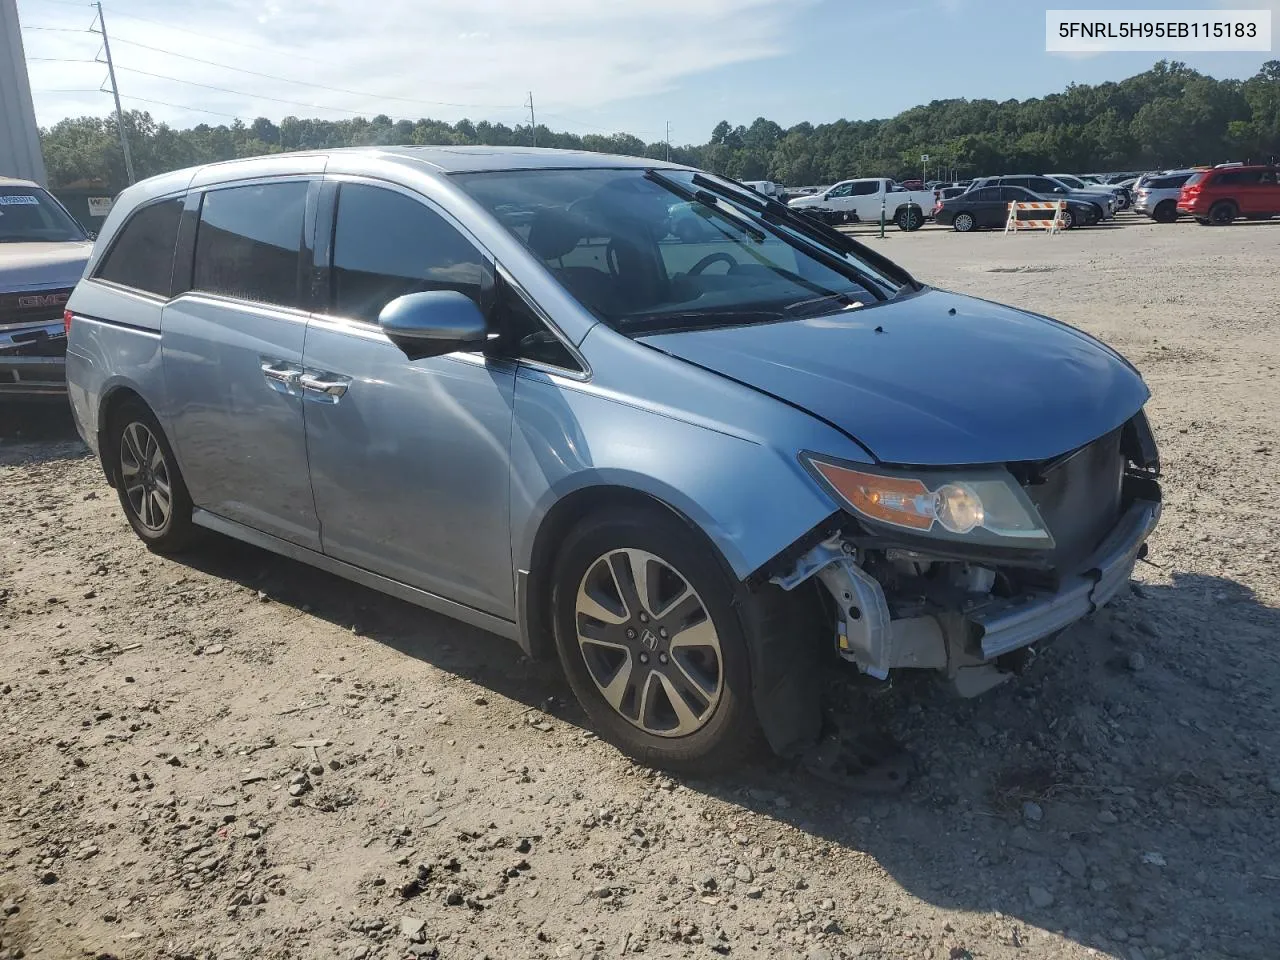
x: 250, y: 240
x: 386, y: 245
x: 1194, y: 179
x: 142, y: 255
x: 28, y: 213
x: 985, y: 195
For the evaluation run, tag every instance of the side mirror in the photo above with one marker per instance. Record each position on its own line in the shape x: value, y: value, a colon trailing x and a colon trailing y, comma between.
x: 433, y: 323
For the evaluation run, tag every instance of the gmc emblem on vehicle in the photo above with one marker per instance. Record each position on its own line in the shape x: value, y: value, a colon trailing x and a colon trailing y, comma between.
x: 42, y: 300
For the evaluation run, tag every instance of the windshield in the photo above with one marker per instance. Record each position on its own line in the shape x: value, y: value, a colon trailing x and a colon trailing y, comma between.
x: 657, y: 251
x: 29, y: 215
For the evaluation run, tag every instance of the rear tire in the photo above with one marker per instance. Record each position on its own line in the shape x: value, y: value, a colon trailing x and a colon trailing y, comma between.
x: 964, y: 223
x: 1222, y: 213
x: 909, y: 218
x: 148, y: 482
x: 1166, y: 211
x: 625, y: 660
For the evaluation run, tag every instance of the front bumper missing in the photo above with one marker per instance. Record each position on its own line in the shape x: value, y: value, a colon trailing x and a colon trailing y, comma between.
x: 959, y: 641
x: 1011, y: 625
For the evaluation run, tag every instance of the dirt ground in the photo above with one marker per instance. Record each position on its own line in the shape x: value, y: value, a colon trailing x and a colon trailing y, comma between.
x: 234, y: 756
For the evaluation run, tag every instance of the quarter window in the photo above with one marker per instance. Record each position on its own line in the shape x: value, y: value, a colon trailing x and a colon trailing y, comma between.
x: 386, y: 245
x: 142, y: 255
x: 250, y: 241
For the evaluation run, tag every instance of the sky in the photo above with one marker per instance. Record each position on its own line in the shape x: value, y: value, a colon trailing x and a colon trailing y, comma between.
x: 593, y: 66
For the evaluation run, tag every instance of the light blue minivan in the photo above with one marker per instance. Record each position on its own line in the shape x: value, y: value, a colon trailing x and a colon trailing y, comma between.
x: 697, y: 445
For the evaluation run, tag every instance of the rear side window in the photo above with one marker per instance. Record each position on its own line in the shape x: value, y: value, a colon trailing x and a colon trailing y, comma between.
x: 386, y: 245
x: 141, y: 257
x: 865, y: 189
x: 249, y: 242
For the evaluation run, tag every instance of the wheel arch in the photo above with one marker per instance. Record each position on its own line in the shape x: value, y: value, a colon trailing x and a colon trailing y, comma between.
x: 785, y: 666
x: 533, y: 580
x: 114, y: 396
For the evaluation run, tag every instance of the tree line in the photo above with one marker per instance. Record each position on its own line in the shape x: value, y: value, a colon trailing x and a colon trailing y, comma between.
x: 1168, y: 116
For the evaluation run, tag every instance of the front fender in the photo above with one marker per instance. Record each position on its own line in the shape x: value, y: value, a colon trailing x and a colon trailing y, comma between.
x: 750, y: 499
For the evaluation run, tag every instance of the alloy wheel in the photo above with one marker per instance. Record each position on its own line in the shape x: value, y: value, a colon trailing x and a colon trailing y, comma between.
x: 963, y: 223
x: 648, y: 643
x: 144, y: 472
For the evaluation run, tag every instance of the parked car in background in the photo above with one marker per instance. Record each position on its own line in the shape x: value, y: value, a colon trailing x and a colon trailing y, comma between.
x: 702, y: 473
x: 1054, y: 189
x: 1121, y: 195
x: 1227, y: 193
x: 43, y: 250
x: 1157, y: 197
x: 989, y: 207
x: 864, y: 199
x: 942, y: 194
x: 767, y: 188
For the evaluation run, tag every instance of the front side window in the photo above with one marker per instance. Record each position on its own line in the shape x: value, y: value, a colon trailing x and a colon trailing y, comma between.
x: 28, y: 214
x: 249, y: 242
x: 646, y: 252
x: 386, y: 245
x: 842, y: 190
x: 141, y: 257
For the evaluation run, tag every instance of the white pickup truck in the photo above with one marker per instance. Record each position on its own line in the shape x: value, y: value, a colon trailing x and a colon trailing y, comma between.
x: 863, y: 199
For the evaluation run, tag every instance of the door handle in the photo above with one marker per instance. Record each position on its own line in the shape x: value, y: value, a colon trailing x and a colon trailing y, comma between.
x: 280, y: 372
x: 327, y: 386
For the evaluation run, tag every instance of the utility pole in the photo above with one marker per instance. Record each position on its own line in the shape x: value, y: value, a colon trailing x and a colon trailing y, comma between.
x: 668, y: 141
x: 115, y: 92
x: 533, y: 120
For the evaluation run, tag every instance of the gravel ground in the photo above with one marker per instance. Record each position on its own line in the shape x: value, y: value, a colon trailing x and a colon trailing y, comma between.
x: 234, y: 756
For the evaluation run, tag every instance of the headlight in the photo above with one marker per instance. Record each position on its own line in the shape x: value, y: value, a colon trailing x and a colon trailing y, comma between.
x: 974, y: 506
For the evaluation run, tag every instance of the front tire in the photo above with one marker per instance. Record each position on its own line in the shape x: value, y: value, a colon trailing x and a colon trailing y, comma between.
x: 651, y: 643
x: 148, y: 482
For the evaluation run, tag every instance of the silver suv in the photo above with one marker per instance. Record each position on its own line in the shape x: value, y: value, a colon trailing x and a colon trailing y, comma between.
x: 1157, y: 197
x: 43, y: 250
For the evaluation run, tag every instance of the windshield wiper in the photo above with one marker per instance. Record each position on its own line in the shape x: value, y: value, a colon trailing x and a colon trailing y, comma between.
x: 707, y: 201
x: 779, y: 214
x: 672, y: 321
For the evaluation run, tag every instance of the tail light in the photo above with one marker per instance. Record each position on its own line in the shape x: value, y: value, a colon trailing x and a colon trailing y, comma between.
x: 66, y: 322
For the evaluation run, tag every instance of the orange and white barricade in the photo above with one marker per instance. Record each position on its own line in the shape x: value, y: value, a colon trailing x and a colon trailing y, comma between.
x: 1053, y: 223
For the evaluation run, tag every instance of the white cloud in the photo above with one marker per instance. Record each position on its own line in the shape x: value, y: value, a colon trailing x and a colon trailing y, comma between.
x: 576, y: 55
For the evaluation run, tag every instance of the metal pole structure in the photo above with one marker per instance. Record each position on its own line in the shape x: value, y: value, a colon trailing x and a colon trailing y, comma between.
x: 115, y: 92
x: 668, y: 141
x: 533, y: 120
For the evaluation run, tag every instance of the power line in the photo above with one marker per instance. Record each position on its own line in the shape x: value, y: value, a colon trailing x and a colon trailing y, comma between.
x: 213, y: 36
x: 58, y: 60
x: 59, y: 29
x: 179, y: 106
x: 318, y: 86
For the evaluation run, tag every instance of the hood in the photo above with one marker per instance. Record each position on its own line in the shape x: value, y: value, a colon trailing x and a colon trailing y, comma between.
x: 933, y: 379
x: 809, y: 200
x: 34, y: 266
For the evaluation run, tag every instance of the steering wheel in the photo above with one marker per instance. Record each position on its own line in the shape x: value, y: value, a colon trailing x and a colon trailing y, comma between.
x: 709, y: 259
x: 611, y: 259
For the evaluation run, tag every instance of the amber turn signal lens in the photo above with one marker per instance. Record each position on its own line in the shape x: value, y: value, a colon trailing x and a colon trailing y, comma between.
x: 66, y: 322
x: 900, y: 501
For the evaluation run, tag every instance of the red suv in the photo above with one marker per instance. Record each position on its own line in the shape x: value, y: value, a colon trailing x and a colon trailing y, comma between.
x: 1223, y: 194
